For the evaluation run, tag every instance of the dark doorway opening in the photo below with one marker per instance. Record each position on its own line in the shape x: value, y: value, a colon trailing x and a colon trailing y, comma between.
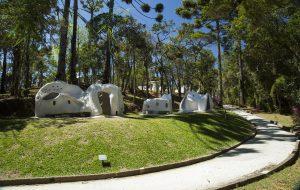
x: 105, y: 103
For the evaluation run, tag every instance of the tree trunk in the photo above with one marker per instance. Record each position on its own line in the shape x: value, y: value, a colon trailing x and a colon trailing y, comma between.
x: 220, y: 62
x: 279, y: 103
x: 147, y: 78
x: 85, y: 74
x: 179, y: 87
x: 41, y: 76
x: 134, y: 76
x: 15, y: 89
x: 61, y: 68
x: 112, y: 70
x: 91, y: 35
x: 107, y: 69
x: 241, y: 80
x: 106, y: 74
x: 27, y: 67
x: 90, y: 43
x: 123, y: 84
x: 78, y: 63
x: 161, y: 72
x: 73, y: 62
x: 161, y: 82
x: 127, y: 82
x: 94, y: 74
x: 3, y: 76
x: 167, y: 83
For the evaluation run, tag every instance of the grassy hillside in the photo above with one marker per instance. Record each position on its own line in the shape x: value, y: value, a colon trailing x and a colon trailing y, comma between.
x: 70, y: 146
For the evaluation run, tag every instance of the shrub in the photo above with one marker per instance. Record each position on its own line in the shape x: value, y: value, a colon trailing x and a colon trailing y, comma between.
x: 281, y: 95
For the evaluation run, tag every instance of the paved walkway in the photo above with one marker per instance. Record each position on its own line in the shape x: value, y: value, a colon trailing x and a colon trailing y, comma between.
x: 270, y: 147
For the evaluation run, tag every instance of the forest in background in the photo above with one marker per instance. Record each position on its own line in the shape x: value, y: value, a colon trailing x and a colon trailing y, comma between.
x: 257, y: 63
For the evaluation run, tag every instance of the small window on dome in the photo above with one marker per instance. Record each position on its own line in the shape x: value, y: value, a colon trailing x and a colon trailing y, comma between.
x: 167, y: 105
x: 54, y: 102
x: 69, y: 102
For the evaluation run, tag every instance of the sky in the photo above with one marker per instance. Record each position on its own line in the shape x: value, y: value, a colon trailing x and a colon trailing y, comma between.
x: 168, y: 13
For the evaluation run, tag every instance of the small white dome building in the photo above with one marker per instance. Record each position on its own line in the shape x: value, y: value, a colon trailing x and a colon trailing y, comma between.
x: 194, y: 102
x: 104, y: 99
x: 58, y: 98
x: 158, y: 105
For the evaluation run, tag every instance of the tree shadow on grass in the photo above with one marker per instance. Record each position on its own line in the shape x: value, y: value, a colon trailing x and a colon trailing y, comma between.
x: 216, y: 126
x: 219, y: 130
x: 58, y: 122
x: 144, y: 117
x: 12, y: 127
x: 222, y: 130
x: 12, y: 124
x: 18, y: 124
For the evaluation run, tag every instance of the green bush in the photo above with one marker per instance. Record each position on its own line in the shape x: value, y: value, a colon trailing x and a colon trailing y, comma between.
x: 280, y: 95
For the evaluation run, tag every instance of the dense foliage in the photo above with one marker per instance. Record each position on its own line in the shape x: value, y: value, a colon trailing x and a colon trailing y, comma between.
x: 257, y: 42
x: 260, y: 41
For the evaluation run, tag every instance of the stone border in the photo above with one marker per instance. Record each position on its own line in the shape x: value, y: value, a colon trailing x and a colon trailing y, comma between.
x: 140, y: 171
x: 290, y: 160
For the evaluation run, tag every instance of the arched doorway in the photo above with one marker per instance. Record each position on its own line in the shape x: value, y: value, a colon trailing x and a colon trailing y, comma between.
x: 105, y: 102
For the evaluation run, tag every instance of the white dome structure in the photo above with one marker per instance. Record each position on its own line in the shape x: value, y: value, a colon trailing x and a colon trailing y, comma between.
x: 58, y: 98
x: 158, y: 105
x: 104, y: 99
x: 194, y: 102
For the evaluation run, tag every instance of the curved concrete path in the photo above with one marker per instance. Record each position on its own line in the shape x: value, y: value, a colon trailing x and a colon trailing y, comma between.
x: 270, y: 147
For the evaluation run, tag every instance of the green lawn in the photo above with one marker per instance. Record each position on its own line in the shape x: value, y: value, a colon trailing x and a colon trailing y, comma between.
x: 70, y: 146
x: 282, y: 180
x: 285, y: 120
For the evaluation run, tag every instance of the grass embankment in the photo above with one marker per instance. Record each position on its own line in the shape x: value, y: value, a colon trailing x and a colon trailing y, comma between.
x: 285, y: 179
x: 285, y: 120
x: 70, y: 146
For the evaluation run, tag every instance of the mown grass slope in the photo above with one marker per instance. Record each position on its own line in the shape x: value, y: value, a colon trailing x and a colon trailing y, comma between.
x: 70, y: 146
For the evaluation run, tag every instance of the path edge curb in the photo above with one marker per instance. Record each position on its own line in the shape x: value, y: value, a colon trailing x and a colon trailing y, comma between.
x: 290, y: 160
x: 140, y: 171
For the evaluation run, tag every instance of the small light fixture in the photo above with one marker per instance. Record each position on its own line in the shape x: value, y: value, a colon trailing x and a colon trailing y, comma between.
x: 102, y: 157
x: 104, y: 161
